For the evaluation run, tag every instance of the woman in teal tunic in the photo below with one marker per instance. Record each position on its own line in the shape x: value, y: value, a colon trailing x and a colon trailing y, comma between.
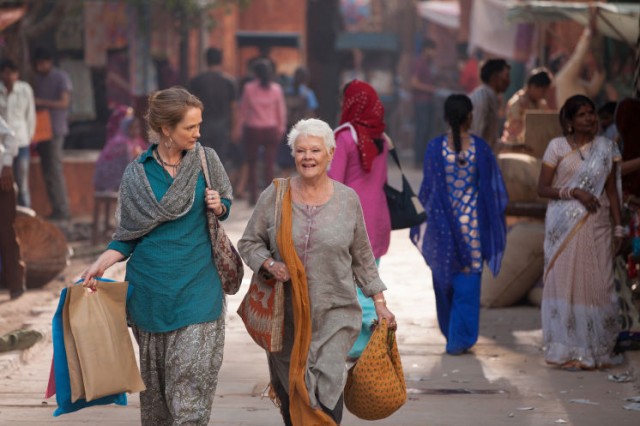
x: 176, y: 309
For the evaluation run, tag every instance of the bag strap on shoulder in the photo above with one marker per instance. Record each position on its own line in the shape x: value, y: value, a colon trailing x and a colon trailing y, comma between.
x: 205, y: 166
x: 282, y: 185
x: 392, y: 151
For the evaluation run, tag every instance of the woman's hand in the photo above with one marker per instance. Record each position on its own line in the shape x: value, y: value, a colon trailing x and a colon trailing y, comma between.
x: 617, y: 244
x: 383, y: 312
x: 278, y: 269
x: 213, y: 202
x: 96, y: 270
x: 588, y: 200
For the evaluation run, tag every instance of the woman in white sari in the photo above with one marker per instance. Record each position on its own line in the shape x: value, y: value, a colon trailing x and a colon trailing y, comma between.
x: 579, y: 308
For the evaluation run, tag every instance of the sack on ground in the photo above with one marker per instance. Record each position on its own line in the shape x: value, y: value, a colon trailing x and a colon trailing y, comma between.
x: 105, y: 352
x: 375, y: 386
x: 522, y: 266
x: 262, y: 311
x: 534, y: 297
x: 520, y: 173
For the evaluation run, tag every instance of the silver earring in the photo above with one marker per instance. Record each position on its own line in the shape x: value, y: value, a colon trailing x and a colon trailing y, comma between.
x: 168, y: 144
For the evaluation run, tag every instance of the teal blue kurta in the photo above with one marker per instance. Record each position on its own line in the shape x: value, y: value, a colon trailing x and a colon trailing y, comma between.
x: 176, y: 282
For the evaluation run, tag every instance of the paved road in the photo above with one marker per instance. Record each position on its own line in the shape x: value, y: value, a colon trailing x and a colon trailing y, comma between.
x: 503, y: 382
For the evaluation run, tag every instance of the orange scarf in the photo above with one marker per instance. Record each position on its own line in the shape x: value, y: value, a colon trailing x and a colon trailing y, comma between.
x: 302, y: 414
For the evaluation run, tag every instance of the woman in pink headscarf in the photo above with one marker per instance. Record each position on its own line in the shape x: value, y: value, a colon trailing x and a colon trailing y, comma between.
x: 360, y: 162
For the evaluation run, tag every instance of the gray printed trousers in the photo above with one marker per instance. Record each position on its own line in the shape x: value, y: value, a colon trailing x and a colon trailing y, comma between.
x: 180, y: 370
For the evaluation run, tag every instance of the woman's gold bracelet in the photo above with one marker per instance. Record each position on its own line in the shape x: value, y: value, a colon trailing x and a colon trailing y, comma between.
x: 380, y: 301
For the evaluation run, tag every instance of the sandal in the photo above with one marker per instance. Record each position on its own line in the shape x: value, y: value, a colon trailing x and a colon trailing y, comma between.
x: 574, y: 365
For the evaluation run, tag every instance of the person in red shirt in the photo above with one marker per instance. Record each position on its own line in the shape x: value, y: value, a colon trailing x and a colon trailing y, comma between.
x: 468, y: 66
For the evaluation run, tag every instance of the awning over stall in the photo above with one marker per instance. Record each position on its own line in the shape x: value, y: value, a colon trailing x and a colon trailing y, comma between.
x: 615, y: 20
x: 368, y: 41
x: 445, y: 13
x: 494, y: 23
x: 267, y: 38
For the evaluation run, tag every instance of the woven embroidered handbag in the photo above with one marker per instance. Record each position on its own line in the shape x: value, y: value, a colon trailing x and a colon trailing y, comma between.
x: 375, y: 386
x: 262, y: 308
x: 262, y: 311
x: 225, y: 256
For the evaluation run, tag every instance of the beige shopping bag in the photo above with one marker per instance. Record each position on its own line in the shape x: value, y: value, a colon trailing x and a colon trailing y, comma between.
x: 99, y: 328
x: 75, y: 373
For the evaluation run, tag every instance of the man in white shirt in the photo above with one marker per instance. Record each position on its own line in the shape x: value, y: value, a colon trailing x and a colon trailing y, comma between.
x: 17, y: 107
x: 486, y: 100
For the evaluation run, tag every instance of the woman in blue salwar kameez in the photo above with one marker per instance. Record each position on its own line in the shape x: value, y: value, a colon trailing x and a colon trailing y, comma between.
x: 465, y: 198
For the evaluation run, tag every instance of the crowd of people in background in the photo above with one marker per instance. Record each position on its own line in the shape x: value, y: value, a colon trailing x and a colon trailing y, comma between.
x: 21, y: 109
x: 338, y: 224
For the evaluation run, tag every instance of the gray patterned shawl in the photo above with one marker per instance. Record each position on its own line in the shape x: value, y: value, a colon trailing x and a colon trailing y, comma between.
x: 139, y: 212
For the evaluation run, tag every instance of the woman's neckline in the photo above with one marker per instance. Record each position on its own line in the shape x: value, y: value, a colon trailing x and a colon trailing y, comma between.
x: 579, y: 148
x: 450, y: 149
x: 303, y: 203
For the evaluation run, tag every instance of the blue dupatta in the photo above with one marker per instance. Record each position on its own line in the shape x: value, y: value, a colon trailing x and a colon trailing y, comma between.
x: 440, y: 239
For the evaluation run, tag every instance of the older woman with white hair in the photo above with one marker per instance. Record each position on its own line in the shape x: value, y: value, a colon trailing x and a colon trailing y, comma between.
x: 319, y: 247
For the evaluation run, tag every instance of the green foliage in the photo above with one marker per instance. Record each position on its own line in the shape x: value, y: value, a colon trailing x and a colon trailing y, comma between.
x: 193, y: 11
x: 191, y: 8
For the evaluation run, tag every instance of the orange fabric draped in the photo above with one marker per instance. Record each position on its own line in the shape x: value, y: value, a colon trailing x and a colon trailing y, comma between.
x: 302, y: 414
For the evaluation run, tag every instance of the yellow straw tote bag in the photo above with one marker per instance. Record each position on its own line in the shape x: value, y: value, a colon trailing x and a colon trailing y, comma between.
x: 375, y: 386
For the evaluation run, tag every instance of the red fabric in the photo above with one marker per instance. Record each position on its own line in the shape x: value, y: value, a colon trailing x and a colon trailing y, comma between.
x: 362, y: 108
x: 51, y: 386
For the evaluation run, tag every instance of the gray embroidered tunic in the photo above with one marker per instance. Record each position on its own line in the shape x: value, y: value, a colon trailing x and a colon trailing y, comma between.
x: 332, y: 243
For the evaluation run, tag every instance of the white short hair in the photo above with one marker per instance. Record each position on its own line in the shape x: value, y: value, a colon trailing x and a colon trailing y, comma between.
x: 312, y: 127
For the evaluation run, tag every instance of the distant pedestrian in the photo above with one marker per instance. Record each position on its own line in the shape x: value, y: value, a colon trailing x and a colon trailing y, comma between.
x: 423, y: 91
x: 486, y: 100
x: 360, y: 162
x: 301, y: 103
x: 218, y: 93
x: 52, y: 89
x: 262, y: 118
x: 119, y: 150
x: 532, y: 97
x: 321, y: 252
x: 264, y: 55
x: 177, y: 308
x: 17, y: 107
x: 580, y: 321
x: 608, y: 127
x: 468, y: 69
x: 12, y: 269
x: 465, y: 199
